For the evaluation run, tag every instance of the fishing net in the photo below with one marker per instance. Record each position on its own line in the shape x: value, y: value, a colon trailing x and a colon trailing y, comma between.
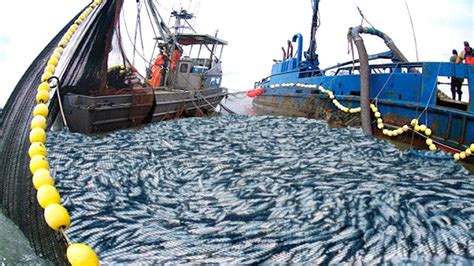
x: 17, y: 194
x: 86, y: 67
x: 262, y: 190
x: 79, y: 71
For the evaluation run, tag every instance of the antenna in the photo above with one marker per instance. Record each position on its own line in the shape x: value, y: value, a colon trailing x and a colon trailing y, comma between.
x: 196, y: 10
x: 413, y: 30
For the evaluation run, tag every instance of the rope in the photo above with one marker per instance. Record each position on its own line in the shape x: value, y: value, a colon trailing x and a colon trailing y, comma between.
x: 151, y: 21
x: 130, y: 39
x: 383, y: 87
x: 136, y: 29
x: 201, y: 113
x: 61, y: 109
x: 162, y: 6
x: 168, y: 113
x: 124, y: 56
x: 424, y: 136
x: 234, y: 94
x: 431, y: 96
x: 159, y: 22
x: 227, y: 109
x: 66, y: 237
x: 350, y: 49
x: 154, y: 32
x: 141, y: 38
x: 204, y: 98
x: 363, y: 17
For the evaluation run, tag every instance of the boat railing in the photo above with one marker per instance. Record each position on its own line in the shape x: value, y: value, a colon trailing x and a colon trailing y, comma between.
x: 381, y: 68
x: 435, y: 70
x: 340, y: 69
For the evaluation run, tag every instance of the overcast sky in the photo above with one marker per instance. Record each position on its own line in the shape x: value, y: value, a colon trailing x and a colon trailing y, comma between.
x: 256, y: 30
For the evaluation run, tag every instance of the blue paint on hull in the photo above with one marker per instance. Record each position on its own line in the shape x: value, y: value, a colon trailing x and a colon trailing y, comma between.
x: 401, y: 91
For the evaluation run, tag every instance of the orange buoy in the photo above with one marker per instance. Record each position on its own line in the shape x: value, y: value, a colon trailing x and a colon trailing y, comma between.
x: 258, y: 91
x: 251, y: 94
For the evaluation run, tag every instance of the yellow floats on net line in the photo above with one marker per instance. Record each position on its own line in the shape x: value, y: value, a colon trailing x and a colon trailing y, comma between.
x: 56, y: 216
x: 422, y: 129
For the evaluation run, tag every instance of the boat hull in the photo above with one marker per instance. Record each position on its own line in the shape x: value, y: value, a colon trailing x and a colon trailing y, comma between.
x: 171, y: 104
x: 399, y: 97
x: 95, y: 114
x: 453, y: 129
x: 302, y: 106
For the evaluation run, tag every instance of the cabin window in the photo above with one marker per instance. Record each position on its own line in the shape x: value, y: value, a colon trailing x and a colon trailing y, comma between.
x: 184, y: 68
x: 215, y: 81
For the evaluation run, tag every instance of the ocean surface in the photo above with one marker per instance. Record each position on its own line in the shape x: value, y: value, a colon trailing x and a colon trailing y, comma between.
x: 260, y: 189
x: 14, y: 247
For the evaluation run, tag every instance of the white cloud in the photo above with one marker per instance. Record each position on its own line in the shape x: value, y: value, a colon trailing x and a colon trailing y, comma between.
x: 256, y: 30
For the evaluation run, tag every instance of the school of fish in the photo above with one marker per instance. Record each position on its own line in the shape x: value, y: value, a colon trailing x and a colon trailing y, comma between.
x: 260, y: 189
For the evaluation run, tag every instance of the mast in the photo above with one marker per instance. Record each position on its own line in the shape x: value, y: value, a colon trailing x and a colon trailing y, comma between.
x: 162, y: 28
x: 169, y: 38
x: 312, y: 56
x: 182, y: 15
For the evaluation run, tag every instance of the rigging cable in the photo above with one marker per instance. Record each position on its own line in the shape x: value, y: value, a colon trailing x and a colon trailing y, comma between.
x: 227, y: 109
x: 413, y: 30
x: 151, y: 21
x: 58, y: 94
x: 124, y: 56
x: 154, y: 33
x: 386, y: 82
x: 158, y: 20
x: 429, y: 100
x: 350, y: 49
x: 131, y: 41
x: 363, y: 17
x: 141, y: 36
x: 137, y: 23
x: 196, y: 10
x: 205, y: 45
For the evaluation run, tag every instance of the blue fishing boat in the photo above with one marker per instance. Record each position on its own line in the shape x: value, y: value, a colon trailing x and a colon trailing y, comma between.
x: 400, y: 100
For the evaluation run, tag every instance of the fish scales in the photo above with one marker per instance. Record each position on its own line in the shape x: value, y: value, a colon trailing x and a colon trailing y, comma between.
x: 252, y: 180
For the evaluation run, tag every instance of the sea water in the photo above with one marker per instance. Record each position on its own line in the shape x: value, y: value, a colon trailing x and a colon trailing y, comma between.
x: 261, y: 189
x: 14, y: 247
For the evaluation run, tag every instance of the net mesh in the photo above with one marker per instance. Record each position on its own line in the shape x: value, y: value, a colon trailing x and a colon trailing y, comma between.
x: 82, y: 72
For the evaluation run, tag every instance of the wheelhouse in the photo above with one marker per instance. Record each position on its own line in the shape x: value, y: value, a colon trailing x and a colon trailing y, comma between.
x: 200, y: 64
